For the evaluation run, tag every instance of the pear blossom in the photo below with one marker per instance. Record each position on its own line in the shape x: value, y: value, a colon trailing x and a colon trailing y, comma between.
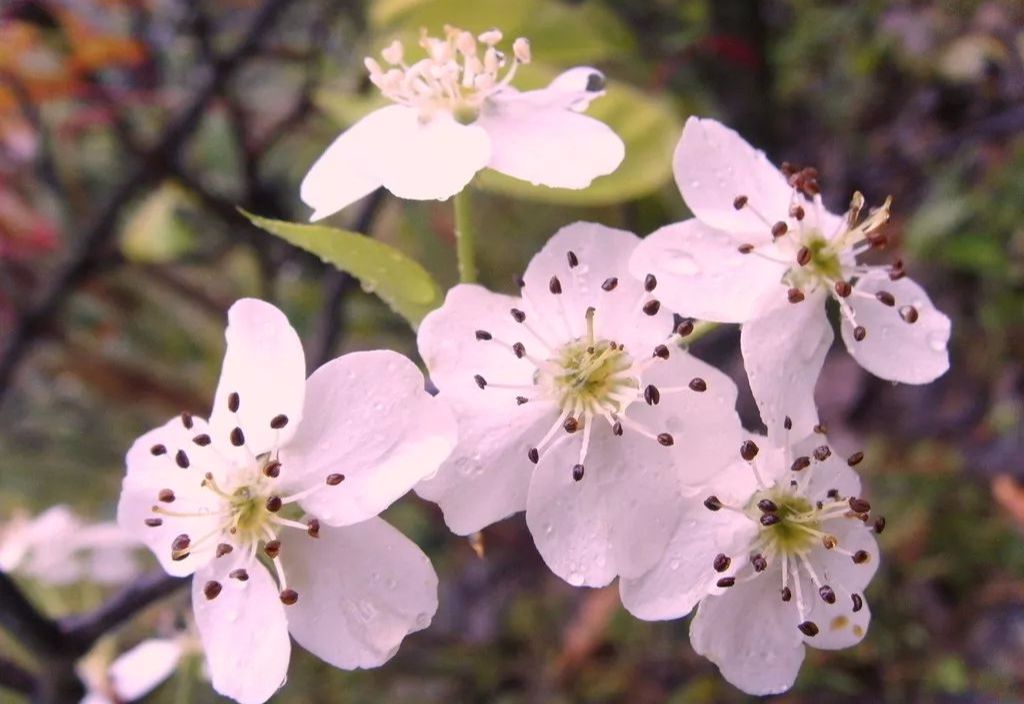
x: 133, y: 674
x: 779, y: 561
x: 577, y: 404
x: 454, y: 113
x: 273, y: 504
x: 763, y: 251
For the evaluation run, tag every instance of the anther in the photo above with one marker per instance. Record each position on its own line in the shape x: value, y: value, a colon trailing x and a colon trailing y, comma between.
x: 739, y: 201
x: 274, y: 504
x: 289, y: 597
x: 767, y: 506
x: 519, y: 281
x: 909, y: 314
x: 610, y: 284
x: 684, y: 328
x: 279, y: 421
x: 571, y: 425
x: 712, y: 503
x: 661, y: 351
x: 224, y: 549
x: 166, y: 495
x: 745, y: 248
x: 533, y: 455
x: 829, y: 541
x: 211, y: 589
x: 182, y: 459
x: 879, y: 524
x: 577, y: 472
x: 770, y: 519
x: 334, y: 479
x: 652, y: 306
x: 827, y: 594
x: 313, y: 527
x: 822, y: 453
x: 797, y: 212
x: 855, y: 459
x: 833, y: 494
x: 520, y: 400
x: 787, y: 423
x: 722, y: 562
x: 860, y: 557
x: 858, y: 602
x: 483, y: 335
x: 617, y: 429
x: 897, y: 271
x: 554, y: 285
x: 158, y: 450
x: 859, y: 333
x: 652, y: 395
x: 650, y: 282
x: 240, y: 574
x: 480, y: 381
x: 820, y: 429
x: 843, y: 288
x: 519, y: 349
x: 517, y: 315
x: 154, y: 522
x: 795, y: 295
x: 787, y: 594
x: 273, y: 469
x: 272, y: 548
x: 725, y: 582
x: 233, y: 402
x: 237, y: 437
x: 779, y: 229
x: 859, y: 505
x: 885, y: 298
x: 699, y: 385
x: 808, y: 628
x: 202, y: 440
x: 759, y: 562
x: 181, y: 543
x: 572, y: 258
x: 803, y: 256
x: 186, y: 420
x: 800, y: 464
x: 749, y: 450
x: 666, y: 439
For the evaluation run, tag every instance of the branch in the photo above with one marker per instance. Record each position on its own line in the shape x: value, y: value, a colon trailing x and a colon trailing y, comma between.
x: 40, y: 635
x: 14, y: 677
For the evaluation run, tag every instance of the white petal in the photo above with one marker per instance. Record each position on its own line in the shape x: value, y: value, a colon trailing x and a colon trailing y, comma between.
x: 685, y: 573
x: 264, y: 365
x: 617, y: 520
x: 832, y: 473
x: 602, y: 253
x: 550, y: 146
x: 839, y: 569
x: 573, y: 89
x: 179, y: 465
x: 914, y: 353
x: 751, y: 635
x: 713, y: 165
x: 140, y: 670
x: 346, y: 171
x: 362, y: 589
x: 783, y: 352
x: 702, y: 274
x: 368, y: 417
x: 839, y: 626
x: 427, y: 160
x: 243, y: 631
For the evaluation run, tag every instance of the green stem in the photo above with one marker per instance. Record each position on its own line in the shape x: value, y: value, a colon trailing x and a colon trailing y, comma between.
x: 465, y: 247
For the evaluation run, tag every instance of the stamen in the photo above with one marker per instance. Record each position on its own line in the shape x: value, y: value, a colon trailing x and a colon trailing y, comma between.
x: 233, y: 402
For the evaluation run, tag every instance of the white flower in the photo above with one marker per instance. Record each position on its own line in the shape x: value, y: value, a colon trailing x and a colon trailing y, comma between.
x: 133, y: 674
x: 225, y: 500
x: 784, y: 551
x: 455, y: 113
x: 575, y: 403
x: 59, y: 548
x: 764, y: 252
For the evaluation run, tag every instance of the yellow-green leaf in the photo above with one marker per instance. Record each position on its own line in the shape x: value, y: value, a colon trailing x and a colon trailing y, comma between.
x: 381, y: 269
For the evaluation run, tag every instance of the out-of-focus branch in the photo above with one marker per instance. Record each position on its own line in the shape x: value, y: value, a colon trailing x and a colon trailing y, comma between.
x: 39, y: 634
x: 14, y: 677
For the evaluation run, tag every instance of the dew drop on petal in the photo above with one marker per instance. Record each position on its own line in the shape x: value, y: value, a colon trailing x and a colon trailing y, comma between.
x: 937, y: 341
x: 682, y: 263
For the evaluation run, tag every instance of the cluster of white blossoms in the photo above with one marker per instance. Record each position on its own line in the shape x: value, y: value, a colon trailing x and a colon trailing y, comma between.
x: 576, y: 401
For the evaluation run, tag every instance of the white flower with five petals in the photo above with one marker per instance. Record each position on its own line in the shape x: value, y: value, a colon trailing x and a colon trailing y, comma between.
x: 273, y: 504
x: 778, y: 557
x: 764, y: 252
x: 455, y: 113
x: 576, y: 403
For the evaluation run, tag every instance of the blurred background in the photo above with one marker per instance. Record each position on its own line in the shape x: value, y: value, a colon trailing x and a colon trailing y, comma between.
x: 131, y: 129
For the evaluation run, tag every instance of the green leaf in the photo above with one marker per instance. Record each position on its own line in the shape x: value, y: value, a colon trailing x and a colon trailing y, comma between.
x: 381, y: 269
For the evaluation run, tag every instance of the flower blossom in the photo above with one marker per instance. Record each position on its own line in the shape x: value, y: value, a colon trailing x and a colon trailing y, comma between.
x: 133, y: 674
x: 779, y: 560
x: 273, y: 504
x: 454, y: 113
x: 764, y: 252
x: 577, y: 404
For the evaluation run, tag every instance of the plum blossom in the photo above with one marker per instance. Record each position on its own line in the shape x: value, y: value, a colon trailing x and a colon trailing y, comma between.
x: 577, y: 404
x: 272, y: 504
x: 763, y: 251
x: 780, y: 560
x: 454, y: 113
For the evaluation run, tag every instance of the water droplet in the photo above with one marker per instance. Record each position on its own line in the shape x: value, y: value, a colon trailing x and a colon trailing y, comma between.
x: 937, y: 341
x: 673, y: 565
x: 575, y: 578
x: 367, y: 611
x: 682, y: 263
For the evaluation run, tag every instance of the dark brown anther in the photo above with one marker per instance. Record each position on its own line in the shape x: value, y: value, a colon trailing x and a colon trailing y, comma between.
x: 652, y: 395
x: 878, y: 240
x: 240, y: 574
x: 699, y: 385
x: 712, y: 503
x: 158, y: 450
x: 779, y: 229
x: 800, y: 464
x: 533, y: 455
x: 571, y: 425
x: 795, y: 295
x: 237, y: 437
x: 554, y: 285
x: 808, y: 628
x: 860, y: 557
x: 154, y: 522
x: 745, y: 248
x: 272, y: 469
x: 722, y: 562
x: 738, y: 202
x: 788, y: 168
x: 650, y: 283
x: 859, y: 333
x: 289, y: 596
x: 770, y: 519
x: 211, y: 589
x: 767, y: 506
x: 858, y: 602
x: 166, y: 495
x: 797, y: 212
x: 879, y: 524
x: 520, y: 400
x: 661, y: 351
x: 272, y: 548
x: 519, y: 349
x: 480, y: 381
x: 279, y: 421
x: 517, y: 315
x: 897, y: 270
x: 749, y: 450
x: 519, y: 281
x: 573, y: 260
x: 828, y: 541
x: 909, y: 314
x: 855, y: 459
x: 787, y: 423
x: 885, y: 298
x: 483, y: 335
x: 684, y: 328
x: 186, y: 420
x: 858, y: 505
x: 181, y: 459
x: 652, y: 306
x: 224, y: 549
x: 666, y: 439
x: 843, y: 288
x: 334, y: 479
x: 822, y: 453
x: 803, y: 256
x: 827, y: 594
x: 181, y: 542
x: 202, y: 440
x: 274, y: 504
x: 233, y: 402
x: 726, y: 582
x: 610, y: 284
x: 617, y: 429
x: 760, y: 564
x: 833, y: 494
x: 577, y: 472
x: 313, y: 527
x: 787, y: 594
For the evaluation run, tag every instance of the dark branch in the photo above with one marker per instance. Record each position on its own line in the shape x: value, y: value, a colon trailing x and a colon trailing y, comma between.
x: 40, y: 635
x: 15, y: 678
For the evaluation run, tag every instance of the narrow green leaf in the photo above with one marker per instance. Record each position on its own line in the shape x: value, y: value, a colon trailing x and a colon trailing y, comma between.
x: 381, y: 269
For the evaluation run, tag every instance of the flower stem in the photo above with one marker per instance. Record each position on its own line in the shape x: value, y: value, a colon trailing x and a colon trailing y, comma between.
x: 465, y: 247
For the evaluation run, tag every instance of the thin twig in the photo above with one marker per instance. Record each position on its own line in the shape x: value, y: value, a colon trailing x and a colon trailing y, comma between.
x: 15, y: 677
x: 40, y: 635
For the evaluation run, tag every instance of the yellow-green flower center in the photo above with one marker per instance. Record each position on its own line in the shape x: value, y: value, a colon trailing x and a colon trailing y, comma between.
x: 593, y: 377
x: 796, y: 531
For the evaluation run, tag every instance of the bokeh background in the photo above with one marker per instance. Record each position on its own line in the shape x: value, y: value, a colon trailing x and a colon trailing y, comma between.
x: 131, y: 129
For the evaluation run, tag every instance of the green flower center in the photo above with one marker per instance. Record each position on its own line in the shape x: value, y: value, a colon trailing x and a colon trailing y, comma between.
x: 796, y: 531
x: 593, y: 377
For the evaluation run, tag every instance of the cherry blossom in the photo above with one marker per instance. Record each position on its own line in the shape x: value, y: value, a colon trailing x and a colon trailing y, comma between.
x: 273, y: 504
x: 779, y: 560
x: 763, y: 251
x: 454, y: 113
x: 577, y: 404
